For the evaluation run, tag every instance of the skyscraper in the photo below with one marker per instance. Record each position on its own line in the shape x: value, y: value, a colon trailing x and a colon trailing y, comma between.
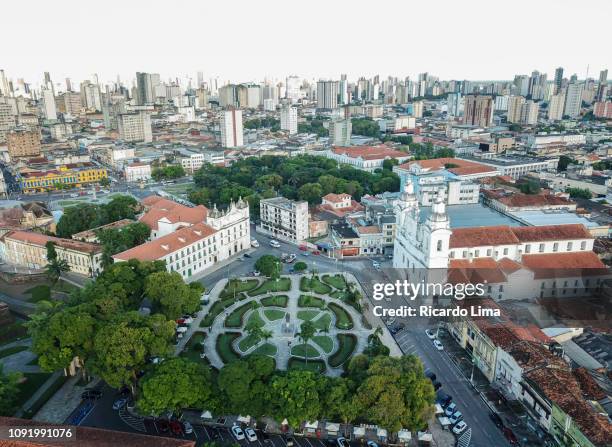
x: 603, y: 76
x: 231, y: 128
x: 292, y: 89
x: 327, y: 94
x: 555, y: 107
x: 135, y: 126
x: 145, y: 87
x: 454, y: 104
x: 515, y: 104
x: 529, y: 113
x: 573, y: 99
x: 478, y: 110
x: 4, y: 85
x: 340, y: 131
x: 289, y: 119
x: 48, y: 103
x: 558, y: 79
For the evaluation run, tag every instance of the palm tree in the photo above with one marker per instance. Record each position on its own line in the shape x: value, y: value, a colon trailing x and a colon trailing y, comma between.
x: 55, y: 268
x: 307, y: 331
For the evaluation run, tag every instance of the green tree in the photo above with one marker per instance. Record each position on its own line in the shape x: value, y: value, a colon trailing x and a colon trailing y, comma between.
x: 530, y: 187
x: 307, y: 331
x: 269, y: 265
x: 171, y: 296
x: 270, y: 181
x: 9, y: 392
x: 311, y: 192
x: 564, y: 162
x: 55, y: 266
x: 295, y: 396
x: 244, y: 385
x: 579, y: 193
x: 300, y: 266
x: 202, y: 196
x: 175, y: 384
x: 168, y: 172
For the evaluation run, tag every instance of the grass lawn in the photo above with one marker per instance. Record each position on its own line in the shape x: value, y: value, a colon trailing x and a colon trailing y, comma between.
x: 41, y: 292
x: 323, y: 322
x: 224, y: 346
x: 308, y: 314
x: 339, y: 295
x: 265, y: 349
x: 304, y: 350
x: 12, y: 332
x: 235, y: 318
x: 314, y: 285
x: 276, y: 300
x: 346, y: 346
x: 343, y: 319
x: 325, y: 342
x: 217, y: 308
x: 336, y: 281
x: 237, y: 286
x: 255, y: 318
x: 33, y: 382
x: 310, y: 301
x: 13, y: 350
x: 66, y: 287
x: 317, y: 366
x: 274, y: 314
x: 193, y: 348
x: 272, y: 285
x: 247, y: 343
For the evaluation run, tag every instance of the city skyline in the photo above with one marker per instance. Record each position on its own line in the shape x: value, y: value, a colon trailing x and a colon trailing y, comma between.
x: 224, y: 52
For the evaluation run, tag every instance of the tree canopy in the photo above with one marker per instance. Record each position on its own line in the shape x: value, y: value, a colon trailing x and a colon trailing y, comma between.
x: 269, y: 265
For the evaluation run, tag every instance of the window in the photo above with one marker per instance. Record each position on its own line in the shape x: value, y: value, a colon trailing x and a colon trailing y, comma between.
x: 489, y: 252
x: 528, y: 248
x: 556, y: 247
x: 541, y: 248
x: 569, y: 246
x: 506, y: 251
x: 439, y: 247
x: 477, y: 253
x: 583, y: 245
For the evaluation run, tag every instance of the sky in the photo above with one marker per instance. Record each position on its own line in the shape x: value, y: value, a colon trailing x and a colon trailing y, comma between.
x: 240, y: 41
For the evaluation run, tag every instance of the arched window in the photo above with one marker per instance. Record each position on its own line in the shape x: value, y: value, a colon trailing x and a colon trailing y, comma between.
x: 440, y: 245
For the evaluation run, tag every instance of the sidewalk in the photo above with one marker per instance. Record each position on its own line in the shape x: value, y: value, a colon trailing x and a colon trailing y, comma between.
x: 512, y: 413
x: 63, y: 402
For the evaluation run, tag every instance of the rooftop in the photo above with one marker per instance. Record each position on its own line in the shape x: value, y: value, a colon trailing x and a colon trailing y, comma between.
x: 472, y: 215
x: 457, y: 166
x: 159, y: 208
x: 42, y: 239
x: 369, y: 152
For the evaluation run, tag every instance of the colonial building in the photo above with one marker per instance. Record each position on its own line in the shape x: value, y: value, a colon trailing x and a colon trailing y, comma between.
x: 28, y: 249
x: 366, y: 158
x: 284, y: 219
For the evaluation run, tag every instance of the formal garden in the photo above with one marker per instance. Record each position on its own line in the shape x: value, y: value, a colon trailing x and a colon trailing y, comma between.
x: 311, y: 322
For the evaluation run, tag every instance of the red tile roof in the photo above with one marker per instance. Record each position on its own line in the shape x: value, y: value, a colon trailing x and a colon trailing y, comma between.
x: 41, y: 240
x: 463, y: 167
x: 565, y: 265
x: 517, y: 200
x: 165, y: 245
x: 159, y: 208
x: 551, y: 233
x: 336, y: 198
x: 482, y: 236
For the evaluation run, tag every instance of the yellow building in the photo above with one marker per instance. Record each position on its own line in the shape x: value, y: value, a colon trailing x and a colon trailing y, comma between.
x: 67, y: 176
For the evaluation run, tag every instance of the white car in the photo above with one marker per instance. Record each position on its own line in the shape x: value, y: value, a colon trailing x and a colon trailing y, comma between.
x: 455, y: 417
x: 250, y: 434
x: 430, y: 335
x: 188, y: 427
x: 450, y: 409
x: 459, y: 428
x: 254, y: 243
x: 274, y: 243
x: 238, y: 433
x: 438, y: 345
x: 181, y: 329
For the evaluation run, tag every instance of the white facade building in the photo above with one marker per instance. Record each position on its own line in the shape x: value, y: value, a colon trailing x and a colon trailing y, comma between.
x: 135, y: 126
x: 137, y: 172
x: 232, y: 134
x: 289, y: 119
x: 284, y: 219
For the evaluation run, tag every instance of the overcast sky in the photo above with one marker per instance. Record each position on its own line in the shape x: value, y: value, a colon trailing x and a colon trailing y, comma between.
x: 247, y: 40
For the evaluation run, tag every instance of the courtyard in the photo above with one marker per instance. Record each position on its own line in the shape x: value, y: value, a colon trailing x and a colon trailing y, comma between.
x: 302, y: 321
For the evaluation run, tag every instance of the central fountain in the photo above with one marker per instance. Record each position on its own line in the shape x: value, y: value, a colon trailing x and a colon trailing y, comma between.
x: 288, y: 328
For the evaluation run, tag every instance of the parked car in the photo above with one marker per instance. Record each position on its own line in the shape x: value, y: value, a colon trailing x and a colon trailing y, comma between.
x: 316, y: 252
x: 250, y: 434
x: 437, y: 385
x: 509, y: 434
x: 274, y: 243
x: 342, y: 442
x: 305, y: 253
x: 431, y: 335
x: 499, y: 423
x: 438, y: 345
x: 176, y: 428
x: 460, y: 427
x: 237, y: 432
x: 254, y: 243
x: 450, y: 409
x: 188, y: 427
x: 431, y: 376
x: 205, y: 298
x: 246, y: 255
x: 455, y: 417
x: 163, y: 426
x: 119, y: 403
x: 372, y: 444
x: 188, y: 319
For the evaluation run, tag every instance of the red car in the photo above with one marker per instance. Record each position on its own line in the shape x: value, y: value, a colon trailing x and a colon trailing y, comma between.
x: 162, y: 426
x: 316, y: 252
x: 510, y: 436
x: 176, y: 427
x: 303, y: 247
x: 180, y: 321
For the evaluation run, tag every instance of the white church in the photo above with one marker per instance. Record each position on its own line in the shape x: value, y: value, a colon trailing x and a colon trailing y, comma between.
x: 513, y: 262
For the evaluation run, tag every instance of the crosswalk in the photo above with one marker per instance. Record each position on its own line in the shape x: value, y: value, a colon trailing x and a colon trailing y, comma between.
x: 135, y: 422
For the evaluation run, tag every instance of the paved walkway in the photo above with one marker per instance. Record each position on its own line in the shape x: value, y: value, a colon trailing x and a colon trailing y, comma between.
x: 285, y: 341
x: 63, y: 402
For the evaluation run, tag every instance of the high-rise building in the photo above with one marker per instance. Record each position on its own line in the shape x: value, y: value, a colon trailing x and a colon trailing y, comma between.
x: 90, y: 96
x: 253, y: 96
x: 231, y: 128
x: 48, y: 104
x: 573, y: 99
x: 327, y: 94
x: 501, y: 102
x: 135, y: 126
x: 529, y: 113
x: 478, y: 110
x: 7, y: 120
x: 289, y: 119
x: 603, y: 76
x: 515, y: 104
x: 227, y: 96
x: 555, y: 107
x: 417, y: 109
x: 23, y: 143
x: 521, y: 85
x: 454, y: 104
x: 202, y: 97
x: 343, y: 97
x: 340, y: 131
x: 5, y: 89
x: 146, y: 84
x: 603, y: 109
x: 292, y: 88
x: 558, y: 79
